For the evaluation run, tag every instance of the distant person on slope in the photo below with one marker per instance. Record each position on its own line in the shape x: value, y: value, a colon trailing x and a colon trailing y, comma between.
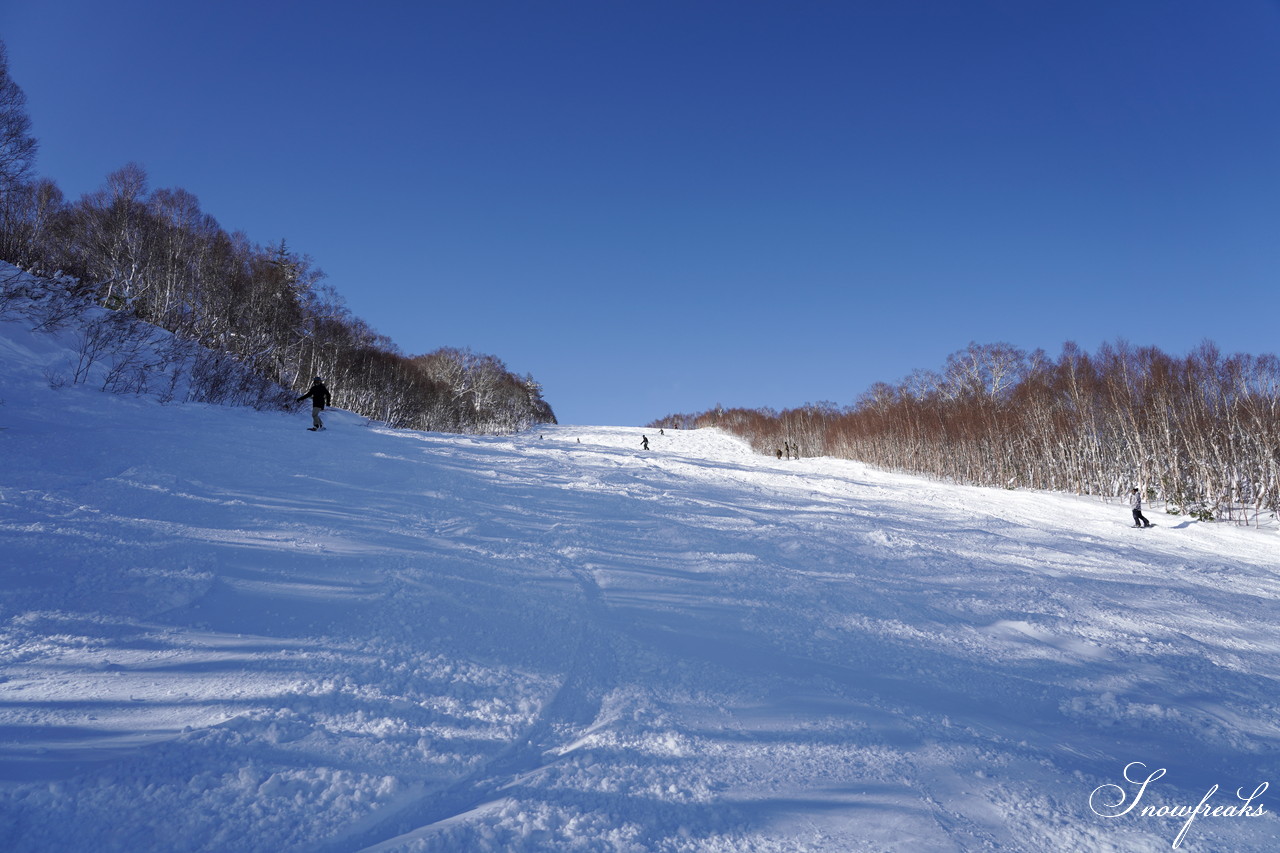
x: 1135, y: 501
x: 644, y: 442
x: 319, y: 395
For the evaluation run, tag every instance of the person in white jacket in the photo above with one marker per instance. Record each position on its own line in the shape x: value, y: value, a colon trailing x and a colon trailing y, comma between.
x: 1135, y: 501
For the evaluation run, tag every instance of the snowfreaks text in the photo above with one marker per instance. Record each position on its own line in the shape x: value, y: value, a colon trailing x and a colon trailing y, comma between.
x: 1100, y: 804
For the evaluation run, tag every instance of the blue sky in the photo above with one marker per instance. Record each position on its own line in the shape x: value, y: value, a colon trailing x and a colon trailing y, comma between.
x: 656, y: 207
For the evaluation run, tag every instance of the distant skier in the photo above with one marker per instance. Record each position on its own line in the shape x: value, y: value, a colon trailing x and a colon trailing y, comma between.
x: 1135, y: 501
x: 320, y: 397
x: 644, y: 442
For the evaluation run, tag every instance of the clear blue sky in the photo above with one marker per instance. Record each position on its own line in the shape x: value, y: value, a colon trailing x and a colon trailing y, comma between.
x: 660, y: 206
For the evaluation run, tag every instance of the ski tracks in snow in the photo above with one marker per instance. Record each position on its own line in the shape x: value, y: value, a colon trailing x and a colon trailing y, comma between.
x: 422, y: 643
x: 425, y: 819
x: 572, y: 707
x: 772, y: 652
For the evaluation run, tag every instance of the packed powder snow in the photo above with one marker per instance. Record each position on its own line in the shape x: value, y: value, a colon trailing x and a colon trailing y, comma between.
x: 222, y: 632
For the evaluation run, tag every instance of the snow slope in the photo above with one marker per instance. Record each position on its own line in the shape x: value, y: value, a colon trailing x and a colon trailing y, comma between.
x: 221, y: 632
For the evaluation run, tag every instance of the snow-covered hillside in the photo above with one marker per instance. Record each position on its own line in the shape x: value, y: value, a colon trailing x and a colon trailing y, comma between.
x: 221, y: 632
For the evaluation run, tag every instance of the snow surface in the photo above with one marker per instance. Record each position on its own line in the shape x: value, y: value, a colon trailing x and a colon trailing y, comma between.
x: 221, y: 632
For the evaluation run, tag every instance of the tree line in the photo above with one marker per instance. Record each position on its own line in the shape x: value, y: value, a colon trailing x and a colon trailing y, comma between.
x: 1200, y: 432
x: 156, y: 256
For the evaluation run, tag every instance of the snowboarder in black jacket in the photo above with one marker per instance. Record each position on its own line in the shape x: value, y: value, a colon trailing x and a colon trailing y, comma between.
x: 319, y: 395
x: 1135, y: 502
